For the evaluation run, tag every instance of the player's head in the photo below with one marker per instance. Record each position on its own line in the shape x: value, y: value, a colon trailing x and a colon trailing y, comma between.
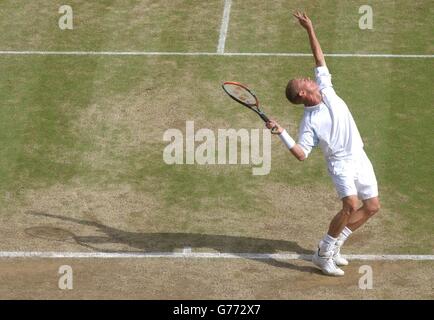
x: 303, y: 91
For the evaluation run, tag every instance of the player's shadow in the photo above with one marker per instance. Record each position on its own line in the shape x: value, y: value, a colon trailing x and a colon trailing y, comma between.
x: 168, y: 242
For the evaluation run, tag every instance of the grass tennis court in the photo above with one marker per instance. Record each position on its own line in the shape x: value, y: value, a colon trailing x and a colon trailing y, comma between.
x: 82, y: 135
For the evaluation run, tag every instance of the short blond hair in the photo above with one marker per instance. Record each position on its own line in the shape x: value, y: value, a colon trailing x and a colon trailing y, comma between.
x: 292, y: 90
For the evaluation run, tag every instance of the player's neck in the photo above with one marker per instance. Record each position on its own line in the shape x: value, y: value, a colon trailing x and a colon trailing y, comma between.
x: 313, y: 100
x: 312, y: 103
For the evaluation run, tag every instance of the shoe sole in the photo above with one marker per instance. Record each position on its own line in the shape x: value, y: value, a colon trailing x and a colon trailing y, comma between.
x: 341, y: 264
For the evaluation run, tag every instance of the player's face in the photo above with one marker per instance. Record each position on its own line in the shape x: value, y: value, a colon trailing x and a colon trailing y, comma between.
x: 308, y: 85
x: 309, y: 91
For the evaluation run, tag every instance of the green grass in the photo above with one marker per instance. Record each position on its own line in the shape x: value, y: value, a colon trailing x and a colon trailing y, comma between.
x: 398, y: 26
x: 99, y: 121
x: 105, y: 25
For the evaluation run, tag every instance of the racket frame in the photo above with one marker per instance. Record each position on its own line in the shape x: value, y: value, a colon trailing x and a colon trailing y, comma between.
x: 250, y: 106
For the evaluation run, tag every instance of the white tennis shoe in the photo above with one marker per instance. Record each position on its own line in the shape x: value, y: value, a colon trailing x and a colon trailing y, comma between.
x: 326, y: 264
x: 337, y: 258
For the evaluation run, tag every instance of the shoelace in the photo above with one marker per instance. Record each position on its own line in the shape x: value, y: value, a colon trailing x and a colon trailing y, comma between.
x: 327, y: 254
x: 337, y: 248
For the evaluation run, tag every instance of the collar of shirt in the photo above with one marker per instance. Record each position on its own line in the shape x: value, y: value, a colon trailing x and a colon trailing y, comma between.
x: 313, y: 108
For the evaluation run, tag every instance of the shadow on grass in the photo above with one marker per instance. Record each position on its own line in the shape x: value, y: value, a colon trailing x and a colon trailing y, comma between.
x: 169, y: 242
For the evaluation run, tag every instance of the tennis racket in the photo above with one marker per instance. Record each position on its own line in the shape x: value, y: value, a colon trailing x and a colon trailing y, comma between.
x: 242, y: 94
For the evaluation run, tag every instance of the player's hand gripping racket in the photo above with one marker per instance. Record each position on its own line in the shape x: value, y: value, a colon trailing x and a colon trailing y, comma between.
x: 241, y: 94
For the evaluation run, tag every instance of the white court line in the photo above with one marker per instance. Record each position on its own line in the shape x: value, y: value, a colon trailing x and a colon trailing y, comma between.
x: 208, y: 255
x: 224, y: 27
x: 225, y: 54
x: 186, y: 250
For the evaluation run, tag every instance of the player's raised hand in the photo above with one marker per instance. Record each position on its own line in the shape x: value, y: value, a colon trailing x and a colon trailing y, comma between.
x: 303, y: 19
x: 305, y: 22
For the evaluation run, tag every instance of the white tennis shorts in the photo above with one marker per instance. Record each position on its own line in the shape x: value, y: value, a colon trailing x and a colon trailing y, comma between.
x: 354, y: 177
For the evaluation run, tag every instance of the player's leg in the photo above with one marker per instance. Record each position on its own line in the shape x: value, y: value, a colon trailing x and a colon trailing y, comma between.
x: 324, y: 257
x: 343, y: 175
x: 367, y: 190
x: 338, y: 223
x: 370, y: 208
x: 351, y: 204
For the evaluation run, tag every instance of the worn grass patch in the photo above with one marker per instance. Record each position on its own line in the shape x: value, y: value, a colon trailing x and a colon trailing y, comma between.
x: 231, y: 279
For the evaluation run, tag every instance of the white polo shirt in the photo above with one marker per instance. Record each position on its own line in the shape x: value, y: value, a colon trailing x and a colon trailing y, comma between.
x: 329, y: 124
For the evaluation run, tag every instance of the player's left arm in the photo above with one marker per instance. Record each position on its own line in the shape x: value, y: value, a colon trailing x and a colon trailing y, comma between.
x: 322, y: 74
x: 306, y: 23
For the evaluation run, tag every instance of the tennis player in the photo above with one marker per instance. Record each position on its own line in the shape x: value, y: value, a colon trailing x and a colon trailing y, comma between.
x: 328, y: 123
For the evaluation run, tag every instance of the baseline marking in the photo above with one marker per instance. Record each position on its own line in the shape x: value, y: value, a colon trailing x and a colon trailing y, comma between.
x: 225, y: 54
x: 224, y: 27
x: 198, y: 255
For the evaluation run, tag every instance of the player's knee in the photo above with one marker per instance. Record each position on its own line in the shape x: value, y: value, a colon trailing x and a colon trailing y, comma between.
x: 372, y: 208
x: 347, y: 212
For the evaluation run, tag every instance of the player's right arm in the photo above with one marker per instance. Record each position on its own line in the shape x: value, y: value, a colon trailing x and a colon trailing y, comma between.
x: 294, y: 147
x: 306, y: 23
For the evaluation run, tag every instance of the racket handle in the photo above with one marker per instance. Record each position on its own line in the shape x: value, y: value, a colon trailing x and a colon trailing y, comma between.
x: 264, y: 117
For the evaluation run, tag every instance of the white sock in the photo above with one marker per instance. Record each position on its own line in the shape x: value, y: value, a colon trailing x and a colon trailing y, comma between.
x: 329, y: 239
x: 328, y: 242
x: 345, y: 234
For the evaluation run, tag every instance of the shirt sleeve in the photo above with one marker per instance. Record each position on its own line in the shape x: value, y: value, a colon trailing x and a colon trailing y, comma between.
x: 323, y: 78
x: 307, y: 139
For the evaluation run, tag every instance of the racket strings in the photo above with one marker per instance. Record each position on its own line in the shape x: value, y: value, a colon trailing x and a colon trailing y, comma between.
x: 241, y: 94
